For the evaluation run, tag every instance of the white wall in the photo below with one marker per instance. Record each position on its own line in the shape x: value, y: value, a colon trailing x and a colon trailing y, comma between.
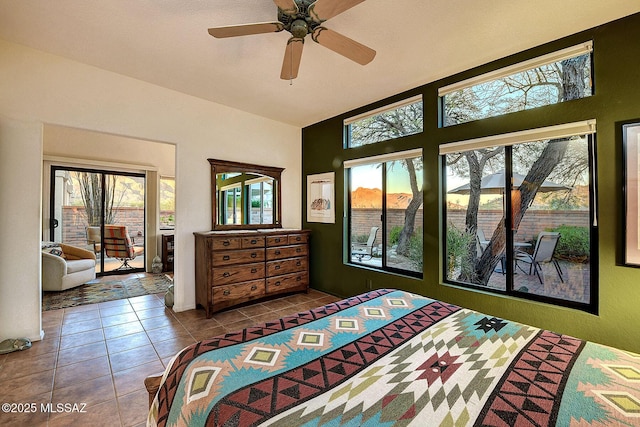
x: 60, y: 141
x: 40, y: 88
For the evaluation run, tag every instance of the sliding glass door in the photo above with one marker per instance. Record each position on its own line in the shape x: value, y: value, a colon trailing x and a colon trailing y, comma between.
x: 102, y: 211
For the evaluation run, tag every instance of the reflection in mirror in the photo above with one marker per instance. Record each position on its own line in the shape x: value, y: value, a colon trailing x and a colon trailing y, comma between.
x: 244, y: 196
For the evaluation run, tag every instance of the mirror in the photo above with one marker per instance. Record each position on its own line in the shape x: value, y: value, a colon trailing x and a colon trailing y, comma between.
x: 244, y: 196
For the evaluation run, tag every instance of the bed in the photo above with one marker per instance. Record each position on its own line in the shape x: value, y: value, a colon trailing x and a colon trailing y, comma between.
x: 390, y: 357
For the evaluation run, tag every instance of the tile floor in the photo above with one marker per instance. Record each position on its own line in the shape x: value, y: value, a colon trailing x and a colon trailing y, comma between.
x: 98, y: 355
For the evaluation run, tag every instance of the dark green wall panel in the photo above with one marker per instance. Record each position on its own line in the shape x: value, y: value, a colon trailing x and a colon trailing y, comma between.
x: 616, y: 100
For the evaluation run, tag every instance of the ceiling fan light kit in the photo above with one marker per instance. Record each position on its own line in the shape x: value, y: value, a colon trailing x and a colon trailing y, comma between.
x: 299, y: 18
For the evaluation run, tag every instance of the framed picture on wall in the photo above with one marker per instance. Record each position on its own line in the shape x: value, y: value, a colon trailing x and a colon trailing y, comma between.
x: 631, y: 148
x: 321, y: 198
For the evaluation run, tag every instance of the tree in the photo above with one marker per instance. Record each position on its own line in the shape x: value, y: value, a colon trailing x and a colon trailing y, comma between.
x: 91, y: 192
x: 396, y: 123
x: 569, y: 84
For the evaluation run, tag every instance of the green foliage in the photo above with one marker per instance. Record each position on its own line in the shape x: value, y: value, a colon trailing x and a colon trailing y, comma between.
x: 458, y: 242
x: 255, y: 203
x: 359, y: 238
x: 573, y: 244
x: 416, y: 248
x: 394, y: 234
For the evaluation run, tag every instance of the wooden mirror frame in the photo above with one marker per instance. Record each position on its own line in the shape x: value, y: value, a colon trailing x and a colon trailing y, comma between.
x: 225, y: 166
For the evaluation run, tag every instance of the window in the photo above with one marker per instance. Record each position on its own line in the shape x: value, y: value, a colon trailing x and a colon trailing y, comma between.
x: 260, y: 192
x: 557, y: 77
x: 520, y: 215
x: 390, y: 122
x: 167, y: 202
x: 232, y: 204
x: 385, y: 212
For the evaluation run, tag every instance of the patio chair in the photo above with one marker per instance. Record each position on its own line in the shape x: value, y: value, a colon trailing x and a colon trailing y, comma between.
x: 93, y: 239
x: 118, y: 245
x: 362, y: 250
x: 543, y: 252
x: 481, y: 242
x: 481, y: 245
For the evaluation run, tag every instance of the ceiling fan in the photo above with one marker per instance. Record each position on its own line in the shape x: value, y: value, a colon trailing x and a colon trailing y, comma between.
x: 302, y: 17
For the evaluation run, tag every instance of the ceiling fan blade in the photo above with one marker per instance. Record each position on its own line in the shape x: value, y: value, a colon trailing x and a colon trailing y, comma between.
x: 292, y: 57
x: 321, y: 10
x: 343, y: 45
x: 246, y: 29
x: 287, y: 6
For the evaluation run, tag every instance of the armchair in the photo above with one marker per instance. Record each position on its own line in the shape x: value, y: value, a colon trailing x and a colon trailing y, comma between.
x: 66, y: 268
x: 118, y: 244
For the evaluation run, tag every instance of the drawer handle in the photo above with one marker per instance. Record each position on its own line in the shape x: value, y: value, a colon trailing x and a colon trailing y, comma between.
x: 226, y: 258
x: 277, y: 283
x: 254, y: 255
x: 277, y: 267
x: 298, y: 250
x: 298, y: 239
x: 277, y: 252
x: 278, y: 240
x: 298, y: 264
x: 254, y: 287
x: 254, y: 270
x: 226, y: 243
x: 226, y: 292
x: 254, y: 241
x: 226, y: 274
x: 298, y: 279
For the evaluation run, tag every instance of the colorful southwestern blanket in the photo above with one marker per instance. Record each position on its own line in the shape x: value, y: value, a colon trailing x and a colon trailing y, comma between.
x: 390, y: 357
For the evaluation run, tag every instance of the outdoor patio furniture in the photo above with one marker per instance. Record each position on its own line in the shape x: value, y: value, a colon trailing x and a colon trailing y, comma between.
x: 118, y: 244
x: 93, y: 238
x: 543, y: 252
x: 362, y: 250
x: 481, y: 242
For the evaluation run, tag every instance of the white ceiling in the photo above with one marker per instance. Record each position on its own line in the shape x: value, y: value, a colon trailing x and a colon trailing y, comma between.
x: 165, y: 42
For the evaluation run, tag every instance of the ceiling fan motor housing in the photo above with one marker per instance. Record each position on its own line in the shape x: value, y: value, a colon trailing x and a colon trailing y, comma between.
x: 299, y: 28
x: 300, y: 24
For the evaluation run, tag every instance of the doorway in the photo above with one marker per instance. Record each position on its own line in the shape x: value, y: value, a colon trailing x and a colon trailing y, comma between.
x: 103, y: 211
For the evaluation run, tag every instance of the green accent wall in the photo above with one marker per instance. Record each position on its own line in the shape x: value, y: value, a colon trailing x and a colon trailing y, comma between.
x: 616, y: 100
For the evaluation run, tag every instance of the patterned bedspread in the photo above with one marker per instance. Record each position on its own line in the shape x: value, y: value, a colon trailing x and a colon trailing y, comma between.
x: 394, y: 358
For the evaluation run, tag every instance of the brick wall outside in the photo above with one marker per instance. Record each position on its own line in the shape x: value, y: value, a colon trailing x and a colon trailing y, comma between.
x: 74, y: 223
x: 533, y: 222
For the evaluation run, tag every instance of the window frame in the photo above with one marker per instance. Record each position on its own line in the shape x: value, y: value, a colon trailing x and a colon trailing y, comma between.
x: 520, y: 67
x: 378, y: 111
x: 508, y: 140
x: 372, y: 160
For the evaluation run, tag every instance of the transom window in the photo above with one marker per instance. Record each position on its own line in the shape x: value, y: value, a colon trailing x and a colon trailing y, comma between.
x: 520, y: 214
x: 390, y: 122
x: 557, y: 77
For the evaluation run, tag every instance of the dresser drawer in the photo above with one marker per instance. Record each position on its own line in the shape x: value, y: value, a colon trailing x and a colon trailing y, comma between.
x: 244, y: 290
x: 279, y: 283
x: 280, y: 252
x: 279, y: 240
x: 275, y: 268
x: 298, y: 238
x: 221, y: 243
x: 253, y: 242
x: 237, y: 257
x: 237, y: 273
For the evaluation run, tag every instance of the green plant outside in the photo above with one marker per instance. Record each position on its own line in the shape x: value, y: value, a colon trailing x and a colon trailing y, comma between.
x: 573, y: 244
x: 457, y: 253
x: 394, y: 234
x: 416, y: 248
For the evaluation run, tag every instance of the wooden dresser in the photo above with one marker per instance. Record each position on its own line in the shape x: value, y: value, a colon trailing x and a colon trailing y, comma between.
x: 236, y: 267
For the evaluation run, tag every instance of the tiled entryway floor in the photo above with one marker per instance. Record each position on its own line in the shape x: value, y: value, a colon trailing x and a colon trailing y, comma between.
x: 99, y: 355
